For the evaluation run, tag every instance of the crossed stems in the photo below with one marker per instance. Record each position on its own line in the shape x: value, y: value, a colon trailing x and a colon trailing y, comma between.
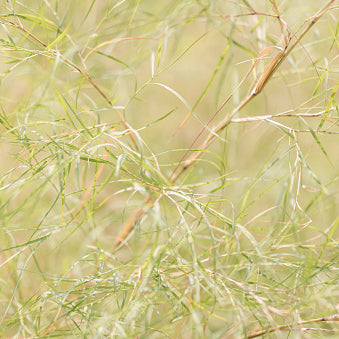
x: 290, y: 42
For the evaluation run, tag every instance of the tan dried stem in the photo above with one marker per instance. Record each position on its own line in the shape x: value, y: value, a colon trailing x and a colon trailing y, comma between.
x: 263, y: 80
x: 290, y: 44
x: 265, y: 330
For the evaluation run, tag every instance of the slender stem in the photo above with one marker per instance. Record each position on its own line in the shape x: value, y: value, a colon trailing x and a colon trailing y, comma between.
x: 77, y: 69
x: 263, y: 80
x: 264, y: 330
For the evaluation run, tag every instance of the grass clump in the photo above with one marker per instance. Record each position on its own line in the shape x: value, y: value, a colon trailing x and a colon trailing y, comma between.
x: 169, y: 169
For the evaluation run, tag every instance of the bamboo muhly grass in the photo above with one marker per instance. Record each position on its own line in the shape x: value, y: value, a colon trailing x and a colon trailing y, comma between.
x: 169, y: 169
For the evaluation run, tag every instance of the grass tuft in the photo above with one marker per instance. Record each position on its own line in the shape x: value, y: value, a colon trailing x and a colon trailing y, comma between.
x: 169, y: 169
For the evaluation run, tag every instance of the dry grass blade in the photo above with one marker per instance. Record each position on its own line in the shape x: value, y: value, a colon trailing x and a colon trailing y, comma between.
x: 262, y: 82
x: 265, y: 330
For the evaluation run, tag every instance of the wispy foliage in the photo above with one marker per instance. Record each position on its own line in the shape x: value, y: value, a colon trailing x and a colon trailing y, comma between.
x: 169, y: 169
